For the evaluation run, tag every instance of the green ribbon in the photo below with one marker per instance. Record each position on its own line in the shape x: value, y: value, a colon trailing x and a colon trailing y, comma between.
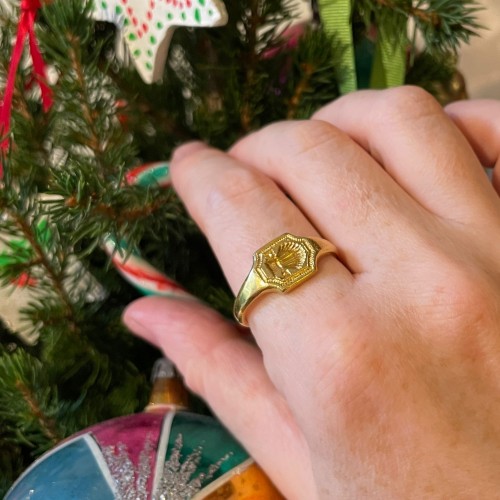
x: 336, y: 19
x: 389, y: 65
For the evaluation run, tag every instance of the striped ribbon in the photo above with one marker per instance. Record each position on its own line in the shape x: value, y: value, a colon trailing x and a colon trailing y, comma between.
x: 389, y: 65
x: 336, y: 19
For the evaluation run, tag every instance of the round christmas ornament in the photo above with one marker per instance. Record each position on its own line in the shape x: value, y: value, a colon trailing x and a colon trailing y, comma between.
x: 147, y: 26
x: 164, y: 453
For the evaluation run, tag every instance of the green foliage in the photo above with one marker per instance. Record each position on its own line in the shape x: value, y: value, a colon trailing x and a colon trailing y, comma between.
x: 443, y: 24
x: 64, y: 188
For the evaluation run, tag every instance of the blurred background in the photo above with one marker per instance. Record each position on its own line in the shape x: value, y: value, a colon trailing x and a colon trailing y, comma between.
x: 479, y: 61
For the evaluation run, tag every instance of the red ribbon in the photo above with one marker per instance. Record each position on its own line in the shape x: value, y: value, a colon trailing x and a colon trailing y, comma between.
x: 25, y: 28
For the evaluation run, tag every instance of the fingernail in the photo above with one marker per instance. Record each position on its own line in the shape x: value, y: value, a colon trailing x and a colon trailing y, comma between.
x: 187, y: 149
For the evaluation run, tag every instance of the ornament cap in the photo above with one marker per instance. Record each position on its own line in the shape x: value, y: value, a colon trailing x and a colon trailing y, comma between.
x: 168, y: 392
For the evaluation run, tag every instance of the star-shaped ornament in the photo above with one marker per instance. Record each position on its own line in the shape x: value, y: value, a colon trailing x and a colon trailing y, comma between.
x: 147, y: 26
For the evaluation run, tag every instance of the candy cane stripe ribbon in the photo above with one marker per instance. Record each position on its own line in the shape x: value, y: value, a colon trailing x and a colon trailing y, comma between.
x: 134, y: 268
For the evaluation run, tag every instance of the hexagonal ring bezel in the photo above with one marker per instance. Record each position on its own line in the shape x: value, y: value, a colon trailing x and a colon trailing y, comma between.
x: 297, y: 276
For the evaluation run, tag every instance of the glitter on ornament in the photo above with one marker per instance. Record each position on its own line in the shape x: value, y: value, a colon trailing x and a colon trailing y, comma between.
x: 147, y: 26
x: 179, y: 479
x: 131, y: 484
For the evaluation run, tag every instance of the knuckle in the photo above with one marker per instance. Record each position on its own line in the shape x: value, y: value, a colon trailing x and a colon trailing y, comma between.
x: 229, y: 190
x: 355, y: 391
x: 472, y: 300
x: 347, y: 372
x: 309, y: 138
x: 463, y: 302
x: 229, y: 356
x: 406, y: 103
x: 462, y: 317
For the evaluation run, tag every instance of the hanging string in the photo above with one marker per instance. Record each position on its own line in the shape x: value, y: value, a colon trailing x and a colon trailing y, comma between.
x: 25, y: 28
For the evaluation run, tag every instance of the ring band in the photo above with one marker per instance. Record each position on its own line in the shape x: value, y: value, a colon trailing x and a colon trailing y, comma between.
x: 280, y: 266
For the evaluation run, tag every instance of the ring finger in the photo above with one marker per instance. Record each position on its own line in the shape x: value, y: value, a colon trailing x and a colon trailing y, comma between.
x: 240, y: 209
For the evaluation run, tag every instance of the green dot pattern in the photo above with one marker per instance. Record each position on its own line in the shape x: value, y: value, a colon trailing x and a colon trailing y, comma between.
x: 196, y: 14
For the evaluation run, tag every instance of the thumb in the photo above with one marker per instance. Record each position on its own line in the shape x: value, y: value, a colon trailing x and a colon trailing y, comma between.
x: 227, y: 371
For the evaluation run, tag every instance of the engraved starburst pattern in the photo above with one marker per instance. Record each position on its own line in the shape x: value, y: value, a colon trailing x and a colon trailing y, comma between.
x: 286, y: 259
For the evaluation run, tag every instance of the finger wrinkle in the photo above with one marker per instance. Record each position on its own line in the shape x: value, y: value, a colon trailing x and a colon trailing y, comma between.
x: 311, y: 139
x: 223, y: 352
x: 235, y: 188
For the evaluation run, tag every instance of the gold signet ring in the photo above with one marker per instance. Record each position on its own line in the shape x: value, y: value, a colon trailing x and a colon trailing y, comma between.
x: 280, y: 266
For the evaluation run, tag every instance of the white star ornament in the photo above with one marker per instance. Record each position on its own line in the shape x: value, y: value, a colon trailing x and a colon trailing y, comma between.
x: 147, y: 26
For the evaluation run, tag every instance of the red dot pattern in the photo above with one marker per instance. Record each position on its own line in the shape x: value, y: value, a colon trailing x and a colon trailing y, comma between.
x: 144, y: 24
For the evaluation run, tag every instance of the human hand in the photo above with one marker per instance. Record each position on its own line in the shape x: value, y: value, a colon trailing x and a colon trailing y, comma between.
x: 480, y: 123
x: 380, y: 376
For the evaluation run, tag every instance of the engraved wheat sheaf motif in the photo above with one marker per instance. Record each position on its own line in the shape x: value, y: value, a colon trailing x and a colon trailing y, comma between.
x: 285, y: 259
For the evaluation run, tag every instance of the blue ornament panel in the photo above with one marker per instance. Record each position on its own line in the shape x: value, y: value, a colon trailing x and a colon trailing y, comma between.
x: 73, y: 470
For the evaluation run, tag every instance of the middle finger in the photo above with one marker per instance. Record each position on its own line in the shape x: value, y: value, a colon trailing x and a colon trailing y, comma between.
x: 343, y: 191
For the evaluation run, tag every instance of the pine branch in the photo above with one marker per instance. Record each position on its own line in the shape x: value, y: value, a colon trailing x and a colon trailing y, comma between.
x: 55, y: 275
x: 252, y: 23
x: 307, y: 71
x: 315, y: 62
x: 94, y: 142
x: 27, y: 403
x: 47, y: 424
x: 119, y: 215
x: 444, y: 24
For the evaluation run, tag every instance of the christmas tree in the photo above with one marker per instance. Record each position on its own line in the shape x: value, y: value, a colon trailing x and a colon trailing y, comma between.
x: 69, y: 142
